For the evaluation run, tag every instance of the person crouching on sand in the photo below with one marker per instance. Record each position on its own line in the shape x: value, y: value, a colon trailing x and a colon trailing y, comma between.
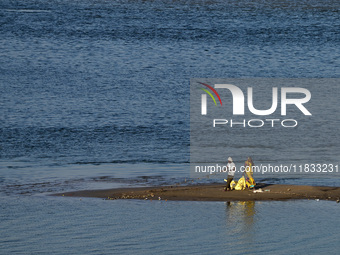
x: 231, y: 173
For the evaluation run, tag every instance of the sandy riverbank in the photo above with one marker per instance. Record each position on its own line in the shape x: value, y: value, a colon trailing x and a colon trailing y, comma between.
x: 213, y: 193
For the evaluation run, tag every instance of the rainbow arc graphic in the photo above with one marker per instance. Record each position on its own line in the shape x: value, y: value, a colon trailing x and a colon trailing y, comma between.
x: 204, y: 97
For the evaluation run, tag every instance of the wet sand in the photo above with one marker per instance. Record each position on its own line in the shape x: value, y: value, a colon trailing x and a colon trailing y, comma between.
x: 213, y: 193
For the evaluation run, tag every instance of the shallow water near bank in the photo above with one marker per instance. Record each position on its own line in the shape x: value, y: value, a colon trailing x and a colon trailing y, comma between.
x: 95, y: 226
x: 35, y: 222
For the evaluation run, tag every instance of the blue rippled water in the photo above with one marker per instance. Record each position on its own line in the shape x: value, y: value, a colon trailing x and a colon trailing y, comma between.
x: 95, y: 94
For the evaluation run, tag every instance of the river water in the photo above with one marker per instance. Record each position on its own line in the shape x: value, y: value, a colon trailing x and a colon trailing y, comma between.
x: 95, y: 94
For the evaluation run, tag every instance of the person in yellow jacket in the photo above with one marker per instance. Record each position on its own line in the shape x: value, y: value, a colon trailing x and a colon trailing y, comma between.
x: 248, y: 169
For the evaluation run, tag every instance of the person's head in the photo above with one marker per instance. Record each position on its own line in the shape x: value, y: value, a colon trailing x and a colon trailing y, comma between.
x: 230, y: 159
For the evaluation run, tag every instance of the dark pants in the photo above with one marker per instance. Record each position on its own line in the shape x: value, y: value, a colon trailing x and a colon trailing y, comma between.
x: 230, y: 178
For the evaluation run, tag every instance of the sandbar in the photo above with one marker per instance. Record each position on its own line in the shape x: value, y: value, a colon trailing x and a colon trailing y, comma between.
x: 213, y: 192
